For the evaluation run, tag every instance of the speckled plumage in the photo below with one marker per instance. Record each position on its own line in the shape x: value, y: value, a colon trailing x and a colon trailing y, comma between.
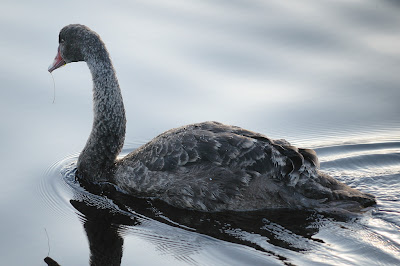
x: 207, y: 166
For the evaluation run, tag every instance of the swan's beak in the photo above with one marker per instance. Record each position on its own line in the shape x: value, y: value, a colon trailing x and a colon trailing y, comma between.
x: 58, y: 62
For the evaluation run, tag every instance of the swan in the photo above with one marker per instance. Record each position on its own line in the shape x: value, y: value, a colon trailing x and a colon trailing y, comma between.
x: 206, y: 166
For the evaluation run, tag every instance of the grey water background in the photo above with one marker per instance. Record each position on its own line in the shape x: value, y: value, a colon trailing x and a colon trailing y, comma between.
x: 321, y: 74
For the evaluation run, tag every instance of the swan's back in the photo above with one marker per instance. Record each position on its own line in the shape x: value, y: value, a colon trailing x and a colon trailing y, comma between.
x: 210, y: 166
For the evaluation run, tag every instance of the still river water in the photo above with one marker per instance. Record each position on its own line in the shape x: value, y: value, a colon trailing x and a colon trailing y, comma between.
x: 321, y: 74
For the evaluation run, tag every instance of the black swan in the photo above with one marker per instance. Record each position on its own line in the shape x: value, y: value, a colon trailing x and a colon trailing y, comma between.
x: 207, y: 166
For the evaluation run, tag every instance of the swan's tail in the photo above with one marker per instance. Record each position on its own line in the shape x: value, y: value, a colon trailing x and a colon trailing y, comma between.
x: 329, y: 191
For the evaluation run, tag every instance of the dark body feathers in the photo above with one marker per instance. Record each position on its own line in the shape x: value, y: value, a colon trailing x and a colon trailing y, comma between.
x: 212, y: 167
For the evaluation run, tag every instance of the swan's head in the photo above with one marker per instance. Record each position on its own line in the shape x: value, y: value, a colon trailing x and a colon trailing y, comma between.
x: 76, y: 43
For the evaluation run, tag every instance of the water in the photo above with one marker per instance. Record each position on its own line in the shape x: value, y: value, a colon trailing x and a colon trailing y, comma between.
x: 320, y: 74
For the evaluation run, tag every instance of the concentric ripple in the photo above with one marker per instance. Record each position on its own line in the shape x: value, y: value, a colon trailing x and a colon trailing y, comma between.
x: 58, y: 187
x: 54, y: 189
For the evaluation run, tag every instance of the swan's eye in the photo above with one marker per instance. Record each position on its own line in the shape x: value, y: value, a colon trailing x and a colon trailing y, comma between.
x: 61, y: 40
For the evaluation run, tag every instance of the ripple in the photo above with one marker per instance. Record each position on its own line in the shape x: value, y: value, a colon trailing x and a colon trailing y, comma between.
x: 320, y: 136
x: 371, y: 167
x: 366, y: 161
x: 357, y: 148
x: 55, y: 191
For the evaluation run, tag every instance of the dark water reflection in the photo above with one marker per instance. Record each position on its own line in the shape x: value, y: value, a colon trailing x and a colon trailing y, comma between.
x: 106, y: 242
x: 107, y: 219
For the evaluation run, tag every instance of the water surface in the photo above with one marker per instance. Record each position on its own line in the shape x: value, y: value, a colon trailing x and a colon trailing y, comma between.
x: 321, y: 74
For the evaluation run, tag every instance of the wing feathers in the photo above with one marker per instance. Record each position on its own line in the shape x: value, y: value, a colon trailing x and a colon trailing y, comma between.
x: 220, y: 160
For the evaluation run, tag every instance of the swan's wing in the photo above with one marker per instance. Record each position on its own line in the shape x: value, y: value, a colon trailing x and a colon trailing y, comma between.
x: 203, y: 165
x: 212, y: 167
x: 215, y: 144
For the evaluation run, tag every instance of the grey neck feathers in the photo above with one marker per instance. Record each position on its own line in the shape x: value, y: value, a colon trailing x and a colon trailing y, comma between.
x: 106, y: 139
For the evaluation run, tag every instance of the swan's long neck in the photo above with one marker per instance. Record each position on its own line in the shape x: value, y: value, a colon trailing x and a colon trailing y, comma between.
x: 105, y: 142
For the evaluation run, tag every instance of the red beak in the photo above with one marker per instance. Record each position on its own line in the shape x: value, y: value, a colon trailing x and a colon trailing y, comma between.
x: 58, y: 62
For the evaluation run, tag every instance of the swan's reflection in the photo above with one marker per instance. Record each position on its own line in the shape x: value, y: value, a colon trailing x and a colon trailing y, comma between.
x: 182, y: 233
x: 102, y: 230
